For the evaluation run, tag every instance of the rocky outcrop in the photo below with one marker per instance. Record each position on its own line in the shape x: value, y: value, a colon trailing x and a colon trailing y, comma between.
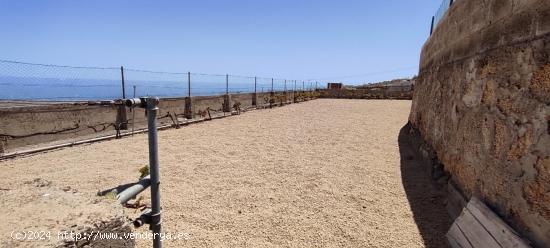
x: 482, y: 102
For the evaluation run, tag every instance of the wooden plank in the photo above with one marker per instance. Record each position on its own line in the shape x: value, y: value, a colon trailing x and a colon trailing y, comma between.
x: 455, y: 201
x: 477, y: 226
x: 457, y: 239
x: 474, y: 231
x: 503, y: 234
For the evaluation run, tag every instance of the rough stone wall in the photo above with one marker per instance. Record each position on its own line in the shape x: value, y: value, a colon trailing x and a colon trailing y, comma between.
x: 26, y: 126
x: 390, y: 92
x: 35, y: 126
x: 482, y: 102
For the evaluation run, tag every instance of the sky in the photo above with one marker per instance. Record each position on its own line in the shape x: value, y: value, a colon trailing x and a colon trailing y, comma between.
x: 355, y: 42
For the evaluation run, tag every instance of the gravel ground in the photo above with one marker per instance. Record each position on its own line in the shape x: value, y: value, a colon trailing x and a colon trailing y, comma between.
x: 324, y: 173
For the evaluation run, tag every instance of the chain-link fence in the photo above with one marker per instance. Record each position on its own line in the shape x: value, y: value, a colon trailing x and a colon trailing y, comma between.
x: 29, y: 81
x: 52, y: 82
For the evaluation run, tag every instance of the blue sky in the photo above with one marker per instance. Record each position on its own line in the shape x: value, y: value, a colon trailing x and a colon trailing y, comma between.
x: 322, y: 40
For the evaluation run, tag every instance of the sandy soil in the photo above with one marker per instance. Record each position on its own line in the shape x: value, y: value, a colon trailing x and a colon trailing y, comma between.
x: 325, y: 173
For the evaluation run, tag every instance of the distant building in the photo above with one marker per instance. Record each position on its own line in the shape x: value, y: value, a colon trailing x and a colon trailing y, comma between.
x: 334, y: 86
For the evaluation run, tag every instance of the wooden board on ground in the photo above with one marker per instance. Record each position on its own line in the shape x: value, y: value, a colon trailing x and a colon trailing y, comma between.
x: 478, y: 226
x: 455, y: 201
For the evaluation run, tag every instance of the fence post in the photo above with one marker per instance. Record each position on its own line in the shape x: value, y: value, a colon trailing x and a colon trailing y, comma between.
x: 255, y: 95
x: 294, y: 93
x: 122, y: 80
x: 122, y: 119
x: 133, y: 113
x: 189, y: 84
x: 271, y: 95
x: 286, y: 97
x: 188, y: 110
x: 226, y: 97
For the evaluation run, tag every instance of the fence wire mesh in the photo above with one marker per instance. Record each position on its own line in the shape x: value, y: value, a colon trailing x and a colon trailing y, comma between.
x: 152, y: 83
x: 29, y: 81
x: 51, y: 82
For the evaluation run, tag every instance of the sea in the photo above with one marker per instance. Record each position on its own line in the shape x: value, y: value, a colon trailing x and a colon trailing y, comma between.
x: 66, y: 89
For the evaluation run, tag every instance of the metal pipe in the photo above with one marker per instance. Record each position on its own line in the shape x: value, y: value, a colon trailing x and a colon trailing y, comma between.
x: 227, y: 84
x: 255, y: 100
x: 189, y: 84
x: 134, y: 114
x: 294, y: 93
x: 155, y: 225
x: 286, y: 96
x: 134, y: 190
x: 122, y: 77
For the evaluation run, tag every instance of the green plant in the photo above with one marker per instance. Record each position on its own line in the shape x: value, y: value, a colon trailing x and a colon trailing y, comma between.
x: 144, y: 171
x: 110, y: 195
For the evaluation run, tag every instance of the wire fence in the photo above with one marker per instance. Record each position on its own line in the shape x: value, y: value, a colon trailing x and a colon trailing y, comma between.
x: 30, y: 81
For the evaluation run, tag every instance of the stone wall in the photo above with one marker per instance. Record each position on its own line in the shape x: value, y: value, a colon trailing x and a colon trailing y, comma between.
x: 482, y: 103
x: 381, y: 92
x: 28, y: 127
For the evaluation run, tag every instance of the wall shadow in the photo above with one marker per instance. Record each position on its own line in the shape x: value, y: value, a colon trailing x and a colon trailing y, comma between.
x: 426, y: 198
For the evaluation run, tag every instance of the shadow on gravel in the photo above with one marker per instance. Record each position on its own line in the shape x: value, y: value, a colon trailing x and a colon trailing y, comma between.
x: 115, y: 190
x: 426, y: 198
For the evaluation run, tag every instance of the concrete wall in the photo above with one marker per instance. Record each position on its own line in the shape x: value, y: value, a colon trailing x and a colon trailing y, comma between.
x: 389, y: 92
x: 482, y: 104
x: 26, y: 127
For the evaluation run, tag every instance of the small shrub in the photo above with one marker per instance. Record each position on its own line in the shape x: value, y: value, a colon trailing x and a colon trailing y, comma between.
x: 144, y: 171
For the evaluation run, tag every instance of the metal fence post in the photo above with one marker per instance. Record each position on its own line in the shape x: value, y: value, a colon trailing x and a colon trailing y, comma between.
x: 255, y: 95
x: 189, y: 84
x: 271, y: 95
x: 227, y: 97
x: 122, y: 119
x: 188, y: 107
x: 133, y: 113
x: 122, y: 80
x: 286, y: 97
x: 294, y: 92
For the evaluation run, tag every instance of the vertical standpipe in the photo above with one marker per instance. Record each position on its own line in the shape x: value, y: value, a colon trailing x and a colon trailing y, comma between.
x: 152, y: 109
x: 150, y: 217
